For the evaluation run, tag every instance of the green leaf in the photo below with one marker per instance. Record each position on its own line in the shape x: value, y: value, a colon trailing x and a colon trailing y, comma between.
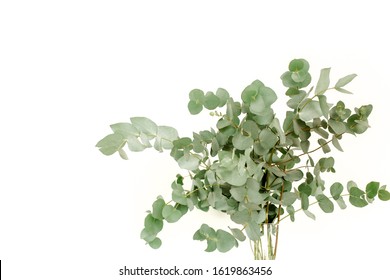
x: 111, y: 144
x: 338, y: 127
x: 144, y: 125
x: 325, y: 204
x: 232, y: 176
x: 167, y: 135
x: 208, y: 231
x: 325, y: 147
x: 157, y: 207
x: 156, y: 243
x: 242, y: 142
x: 211, y: 101
x: 323, y: 82
x: 345, y: 80
x: 298, y: 65
x: 296, y: 100
x: 383, y: 195
x: 125, y: 129
x: 304, y: 201
x: 335, y: 190
x: 249, y: 94
x: 238, y: 234
x: 355, y: 191
x: 153, y: 225
x: 305, y: 188
x: 241, y: 217
x: 305, y: 145
x: 342, y: 90
x: 253, y: 231
x: 238, y: 193
x: 310, y: 111
x: 211, y: 245
x: 357, y: 202
x: 372, y: 189
x: 293, y: 175
x: 268, y: 139
x: 356, y: 195
x: 194, y: 108
x: 223, y: 96
x: 188, y: 161
x: 170, y: 214
x: 225, y: 241
x: 289, y: 198
x: 182, y: 143
x: 309, y: 214
x: 276, y: 124
x: 269, y: 96
x: 324, y: 105
x: 356, y: 124
x: 340, y: 201
x: 290, y: 210
x: 147, y: 235
x: 197, y: 96
x: 336, y: 143
x: 123, y: 154
x: 134, y: 144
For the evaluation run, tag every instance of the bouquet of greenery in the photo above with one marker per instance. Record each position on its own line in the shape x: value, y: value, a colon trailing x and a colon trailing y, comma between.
x: 252, y: 166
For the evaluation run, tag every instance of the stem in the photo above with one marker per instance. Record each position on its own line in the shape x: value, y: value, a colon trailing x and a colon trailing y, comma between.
x: 277, y: 231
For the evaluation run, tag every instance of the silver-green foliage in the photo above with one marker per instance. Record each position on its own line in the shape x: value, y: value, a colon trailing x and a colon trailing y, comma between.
x: 253, y: 167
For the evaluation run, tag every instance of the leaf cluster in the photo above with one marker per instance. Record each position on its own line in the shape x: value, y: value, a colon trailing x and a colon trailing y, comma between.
x: 252, y: 166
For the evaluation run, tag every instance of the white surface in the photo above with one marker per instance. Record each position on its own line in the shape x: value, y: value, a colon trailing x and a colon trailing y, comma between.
x: 69, y: 69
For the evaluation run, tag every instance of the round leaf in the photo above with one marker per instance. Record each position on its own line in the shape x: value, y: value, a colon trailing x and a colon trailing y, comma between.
x: 211, y: 101
x: 372, y: 189
x: 225, y: 241
x: 194, y: 107
x: 158, y: 206
x: 197, y: 96
x: 223, y: 96
x: 153, y: 225
x: 170, y: 214
x: 242, y: 142
x: 383, y: 195
x: 155, y: 243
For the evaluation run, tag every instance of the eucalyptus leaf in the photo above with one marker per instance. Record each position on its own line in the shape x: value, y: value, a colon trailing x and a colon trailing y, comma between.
x: 111, y: 144
x: 144, y: 125
x: 134, y: 144
x: 310, y: 111
x: 383, y: 195
x: 155, y: 243
x: 238, y: 234
x: 211, y: 101
x: 223, y: 96
x: 225, y: 241
x: 158, y: 206
x: 194, y: 108
x: 325, y: 204
x: 336, y: 189
x: 323, y: 82
x: 345, y: 80
x: 125, y: 129
x: 372, y: 189
x: 170, y: 214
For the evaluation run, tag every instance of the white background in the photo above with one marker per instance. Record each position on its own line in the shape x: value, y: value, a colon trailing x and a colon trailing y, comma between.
x: 69, y: 69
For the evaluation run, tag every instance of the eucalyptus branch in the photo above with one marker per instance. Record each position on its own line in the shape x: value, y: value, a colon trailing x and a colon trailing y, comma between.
x: 311, y: 204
